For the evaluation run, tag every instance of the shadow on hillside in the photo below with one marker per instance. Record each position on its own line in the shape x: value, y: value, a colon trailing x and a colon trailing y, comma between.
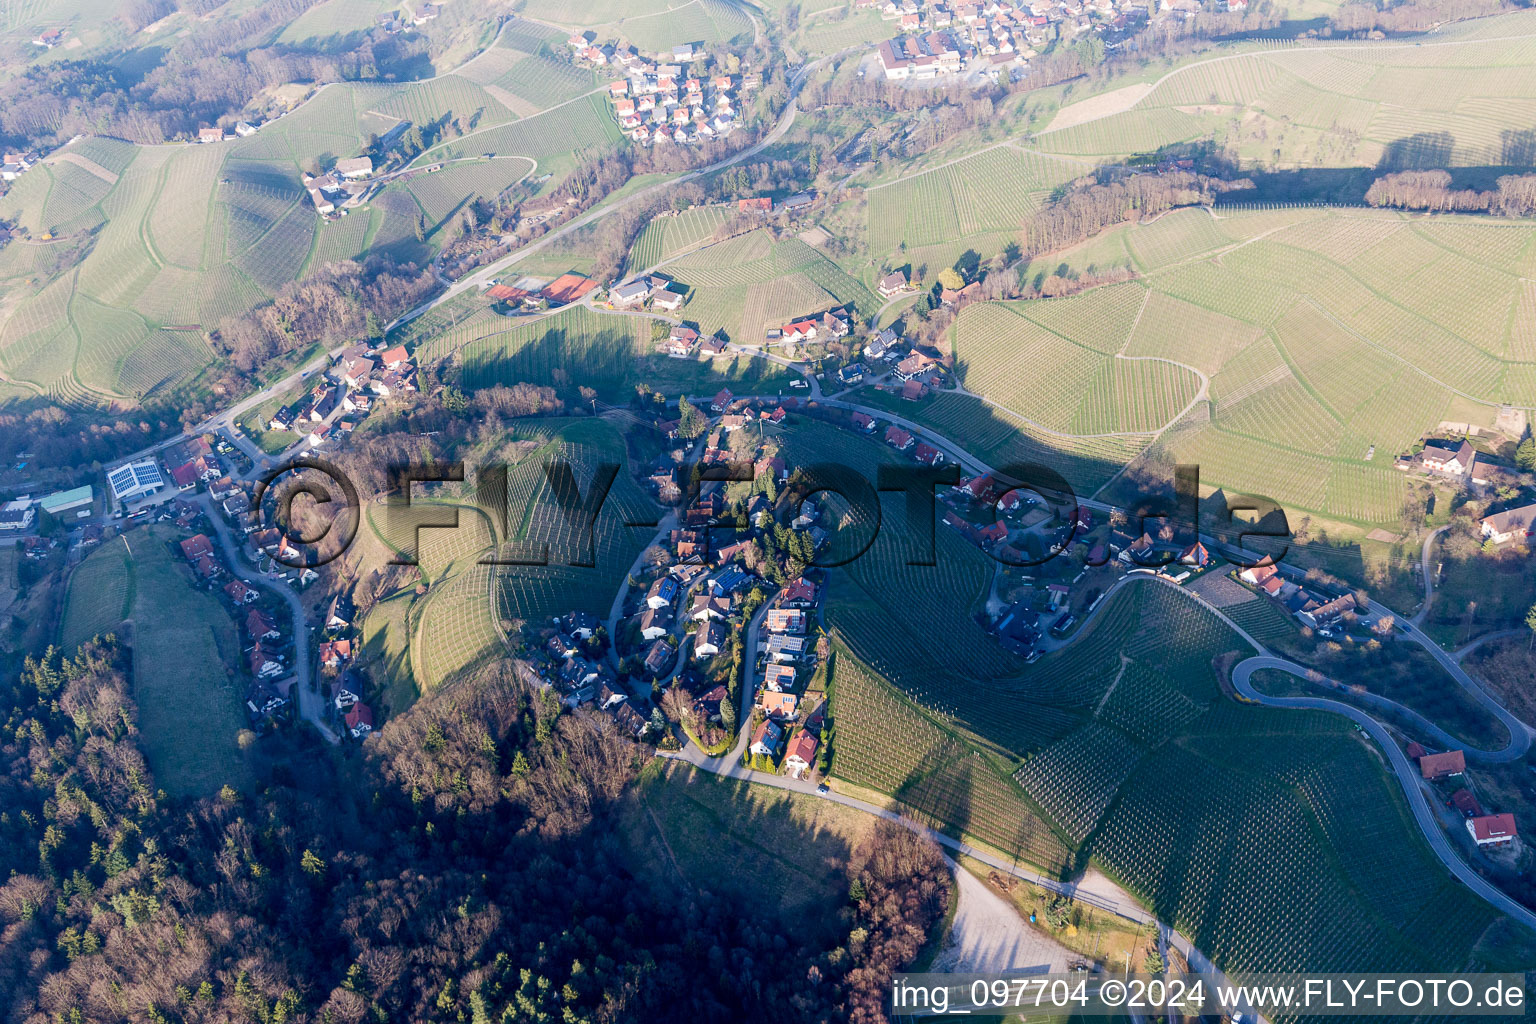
x: 1346, y: 186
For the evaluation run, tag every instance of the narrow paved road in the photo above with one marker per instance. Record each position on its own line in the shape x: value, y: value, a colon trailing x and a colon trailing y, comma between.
x: 1407, y: 774
x: 311, y: 705
x: 1427, y: 576
x: 732, y: 768
x: 484, y: 274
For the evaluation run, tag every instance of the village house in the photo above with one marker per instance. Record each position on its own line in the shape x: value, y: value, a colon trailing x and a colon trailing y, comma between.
x: 786, y: 620
x: 881, y: 346
x: 359, y: 720
x: 1327, y: 613
x: 785, y: 648
x: 892, y: 284
x: 1441, y: 457
x: 1492, y: 830
x: 239, y: 593
x: 1443, y: 765
x: 264, y: 664
x: 261, y: 626
x: 798, y: 593
x: 708, y: 640
x: 898, y: 438
x: 767, y: 738
x: 658, y: 658
x: 334, y: 653
x: 706, y: 607
x: 778, y: 677
x: 928, y: 455
x: 1515, y: 524
x: 656, y: 622
x: 780, y: 706
x: 801, y: 754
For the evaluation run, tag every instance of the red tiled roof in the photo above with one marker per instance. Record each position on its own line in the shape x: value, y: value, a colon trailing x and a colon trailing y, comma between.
x: 196, y: 546
x: 1494, y: 826
x: 1451, y: 762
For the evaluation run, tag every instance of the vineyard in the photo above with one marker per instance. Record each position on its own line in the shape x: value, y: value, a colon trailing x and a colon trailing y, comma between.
x: 1332, y: 339
x: 665, y: 237
x: 1061, y: 384
x: 888, y: 744
x: 1269, y: 837
x: 989, y: 193
x: 1275, y: 841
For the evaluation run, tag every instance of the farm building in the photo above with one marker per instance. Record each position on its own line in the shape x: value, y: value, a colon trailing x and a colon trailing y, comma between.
x: 354, y: 167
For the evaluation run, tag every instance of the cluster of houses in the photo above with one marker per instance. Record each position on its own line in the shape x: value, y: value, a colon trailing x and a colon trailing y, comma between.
x: 395, y: 21
x: 1488, y: 831
x: 682, y: 341
x: 664, y: 102
x: 267, y: 649
x: 1315, y: 608
x: 570, y: 659
x: 534, y: 292
x: 16, y: 162
x: 941, y: 37
x: 1460, y: 463
x: 335, y: 656
x: 647, y: 291
x: 352, y: 386
x: 829, y: 325
x: 343, y: 187
x: 779, y: 730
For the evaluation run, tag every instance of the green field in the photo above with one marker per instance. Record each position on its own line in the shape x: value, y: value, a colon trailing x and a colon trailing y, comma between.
x: 1460, y: 98
x: 189, y: 707
x: 187, y: 235
x: 1332, y: 340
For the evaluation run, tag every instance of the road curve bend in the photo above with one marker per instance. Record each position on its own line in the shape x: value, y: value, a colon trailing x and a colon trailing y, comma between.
x: 1406, y: 772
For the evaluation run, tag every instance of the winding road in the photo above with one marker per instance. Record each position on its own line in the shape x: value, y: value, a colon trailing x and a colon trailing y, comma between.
x: 311, y: 704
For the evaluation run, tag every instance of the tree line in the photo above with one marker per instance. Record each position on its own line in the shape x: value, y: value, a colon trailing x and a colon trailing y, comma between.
x: 1514, y: 195
x: 1090, y: 205
x: 466, y: 864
